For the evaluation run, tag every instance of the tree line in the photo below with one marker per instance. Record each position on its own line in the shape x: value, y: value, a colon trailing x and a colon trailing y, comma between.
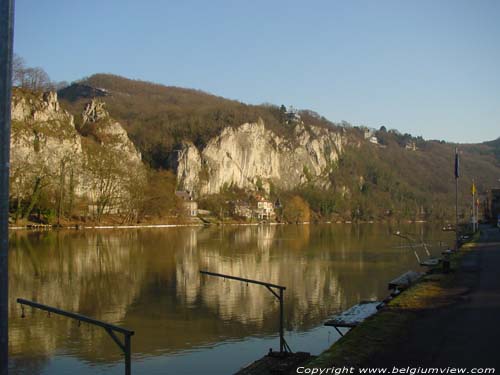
x: 32, y: 78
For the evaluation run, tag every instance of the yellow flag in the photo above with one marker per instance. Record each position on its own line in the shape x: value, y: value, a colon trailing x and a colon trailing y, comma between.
x: 473, y: 189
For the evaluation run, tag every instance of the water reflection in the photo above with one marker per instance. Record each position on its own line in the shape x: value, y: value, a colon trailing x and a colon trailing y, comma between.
x: 148, y: 280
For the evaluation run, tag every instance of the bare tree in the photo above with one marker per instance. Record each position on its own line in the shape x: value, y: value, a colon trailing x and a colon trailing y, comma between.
x: 18, y: 68
x: 35, y: 79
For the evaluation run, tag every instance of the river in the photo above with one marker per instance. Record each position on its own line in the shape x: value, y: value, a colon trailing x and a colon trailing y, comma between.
x: 148, y: 280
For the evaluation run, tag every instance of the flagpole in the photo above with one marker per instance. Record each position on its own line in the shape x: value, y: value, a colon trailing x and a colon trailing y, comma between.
x: 476, y: 205
x: 456, y: 198
x: 474, y: 220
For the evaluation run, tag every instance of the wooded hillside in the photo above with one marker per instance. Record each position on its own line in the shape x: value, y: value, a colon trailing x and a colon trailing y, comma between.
x: 401, y: 176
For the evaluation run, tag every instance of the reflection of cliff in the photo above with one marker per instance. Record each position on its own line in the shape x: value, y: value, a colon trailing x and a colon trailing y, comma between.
x: 148, y: 280
x: 260, y: 253
x: 90, y: 274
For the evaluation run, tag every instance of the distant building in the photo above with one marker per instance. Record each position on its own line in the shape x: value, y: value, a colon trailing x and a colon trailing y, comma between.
x: 191, y: 208
x: 189, y: 204
x: 242, y: 209
x: 369, y: 135
x: 265, y: 209
x: 184, y: 195
x: 411, y: 145
x: 292, y: 115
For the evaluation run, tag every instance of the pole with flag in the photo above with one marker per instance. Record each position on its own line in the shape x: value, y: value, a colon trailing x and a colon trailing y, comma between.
x: 457, y: 175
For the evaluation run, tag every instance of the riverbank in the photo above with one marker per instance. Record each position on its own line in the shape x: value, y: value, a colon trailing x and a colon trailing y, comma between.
x: 444, y: 320
x: 183, y: 222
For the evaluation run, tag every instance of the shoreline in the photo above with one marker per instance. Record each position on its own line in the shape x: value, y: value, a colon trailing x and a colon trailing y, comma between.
x: 435, y: 291
x: 42, y: 227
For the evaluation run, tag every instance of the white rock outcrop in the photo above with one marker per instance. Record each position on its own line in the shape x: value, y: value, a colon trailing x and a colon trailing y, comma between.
x: 108, y: 132
x: 47, y: 151
x: 251, y: 156
x: 43, y: 138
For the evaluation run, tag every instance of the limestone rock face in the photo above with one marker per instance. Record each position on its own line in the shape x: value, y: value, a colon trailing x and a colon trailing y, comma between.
x: 252, y: 157
x: 38, y: 107
x: 43, y: 137
x: 94, y: 111
x: 48, y: 152
x: 98, y: 123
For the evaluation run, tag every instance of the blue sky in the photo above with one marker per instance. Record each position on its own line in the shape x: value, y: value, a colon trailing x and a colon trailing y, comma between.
x: 429, y: 68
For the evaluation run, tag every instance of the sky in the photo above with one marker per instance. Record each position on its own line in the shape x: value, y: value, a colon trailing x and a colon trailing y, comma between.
x: 429, y: 68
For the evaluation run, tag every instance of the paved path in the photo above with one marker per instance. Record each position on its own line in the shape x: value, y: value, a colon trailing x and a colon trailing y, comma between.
x: 467, y: 333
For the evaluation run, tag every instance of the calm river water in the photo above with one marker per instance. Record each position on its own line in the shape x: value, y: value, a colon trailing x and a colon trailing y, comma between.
x: 148, y: 280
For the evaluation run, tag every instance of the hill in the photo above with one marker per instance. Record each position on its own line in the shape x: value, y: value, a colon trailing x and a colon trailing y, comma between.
x: 158, y: 117
x: 400, y: 175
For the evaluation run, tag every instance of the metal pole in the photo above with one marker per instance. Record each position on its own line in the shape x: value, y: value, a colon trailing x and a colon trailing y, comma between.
x: 410, y: 241
x: 284, y: 348
x: 457, y: 174
x: 125, y: 346
x: 473, y: 209
x: 456, y: 214
x: 128, y: 364
x: 83, y: 318
x: 282, y: 317
x: 476, y: 205
x: 242, y: 279
x: 6, y: 40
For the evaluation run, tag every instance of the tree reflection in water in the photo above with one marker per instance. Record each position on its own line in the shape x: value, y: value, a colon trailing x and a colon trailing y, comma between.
x: 148, y: 280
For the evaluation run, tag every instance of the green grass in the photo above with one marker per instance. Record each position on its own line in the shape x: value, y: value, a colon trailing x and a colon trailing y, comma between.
x: 386, y: 330
x: 366, y: 340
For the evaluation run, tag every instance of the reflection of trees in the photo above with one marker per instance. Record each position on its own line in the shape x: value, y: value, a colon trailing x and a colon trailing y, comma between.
x: 88, y: 273
x: 325, y: 269
x: 148, y: 280
x: 265, y: 253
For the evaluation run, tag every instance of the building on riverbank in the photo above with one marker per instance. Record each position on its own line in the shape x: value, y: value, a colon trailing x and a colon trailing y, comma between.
x: 189, y: 204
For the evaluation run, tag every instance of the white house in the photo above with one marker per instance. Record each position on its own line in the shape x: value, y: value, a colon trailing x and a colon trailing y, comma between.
x: 190, y: 205
x: 265, y: 209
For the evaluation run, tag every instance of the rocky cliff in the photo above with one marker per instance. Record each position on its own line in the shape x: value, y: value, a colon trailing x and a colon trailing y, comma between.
x: 252, y: 157
x: 97, y: 123
x: 53, y: 160
x: 43, y: 140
